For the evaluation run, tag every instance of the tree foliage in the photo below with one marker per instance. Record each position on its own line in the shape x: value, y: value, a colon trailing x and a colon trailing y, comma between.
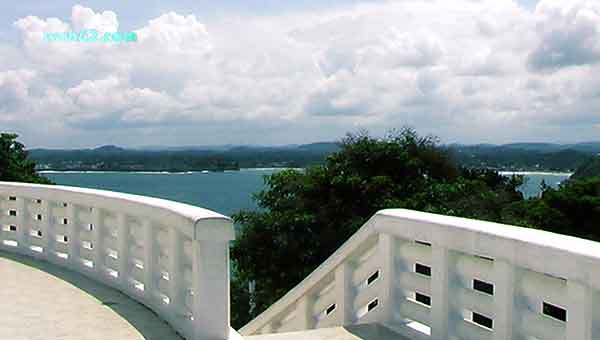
x: 15, y: 166
x: 306, y: 215
x: 572, y: 209
x: 591, y: 168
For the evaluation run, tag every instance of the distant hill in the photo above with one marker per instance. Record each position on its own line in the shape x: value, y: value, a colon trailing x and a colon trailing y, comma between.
x: 114, y: 158
x: 514, y: 156
x: 525, y: 156
x: 589, y: 169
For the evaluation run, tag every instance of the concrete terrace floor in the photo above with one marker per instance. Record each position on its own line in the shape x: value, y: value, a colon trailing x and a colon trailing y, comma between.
x: 42, y: 301
x: 39, y: 300
x: 370, y: 331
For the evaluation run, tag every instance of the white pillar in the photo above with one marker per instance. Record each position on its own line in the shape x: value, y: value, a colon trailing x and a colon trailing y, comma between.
x: 304, y: 313
x: 344, y: 295
x: 266, y: 329
x: 48, y: 234
x: 387, y: 247
x: 504, y: 296
x: 175, y: 279
x: 98, y: 249
x: 149, y: 261
x: 211, y: 289
x: 439, y: 293
x: 579, y: 311
x: 22, y: 226
x: 123, y: 241
x: 73, y: 235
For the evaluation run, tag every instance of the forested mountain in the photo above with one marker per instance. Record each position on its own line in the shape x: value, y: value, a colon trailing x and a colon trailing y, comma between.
x: 516, y: 156
x: 589, y: 169
x: 114, y: 158
x: 524, y: 156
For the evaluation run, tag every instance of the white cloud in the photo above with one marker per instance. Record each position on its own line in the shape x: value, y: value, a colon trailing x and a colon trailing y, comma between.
x: 462, y: 69
x: 86, y: 18
x: 569, y: 34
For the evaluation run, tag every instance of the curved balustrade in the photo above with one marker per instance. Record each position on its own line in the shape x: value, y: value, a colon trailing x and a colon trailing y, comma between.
x: 431, y: 276
x: 172, y: 257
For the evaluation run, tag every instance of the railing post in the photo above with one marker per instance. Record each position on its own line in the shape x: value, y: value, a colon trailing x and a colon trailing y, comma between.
x: 304, y: 313
x: 388, y: 264
x: 504, y: 295
x: 579, y: 311
x: 48, y: 231
x: 210, y: 282
x: 439, y: 293
x: 73, y: 233
x: 123, y: 241
x: 97, y: 246
x: 266, y: 329
x: 343, y: 294
x: 175, y: 278
x: 22, y: 228
x: 211, y: 289
x: 149, y: 261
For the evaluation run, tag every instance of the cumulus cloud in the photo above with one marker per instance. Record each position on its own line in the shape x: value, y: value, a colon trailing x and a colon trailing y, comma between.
x: 569, y: 33
x: 86, y: 18
x: 461, y: 69
x: 14, y: 91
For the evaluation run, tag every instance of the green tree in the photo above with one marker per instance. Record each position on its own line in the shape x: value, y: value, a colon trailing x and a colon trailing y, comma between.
x: 306, y: 215
x: 14, y: 164
x: 572, y: 209
x: 589, y: 169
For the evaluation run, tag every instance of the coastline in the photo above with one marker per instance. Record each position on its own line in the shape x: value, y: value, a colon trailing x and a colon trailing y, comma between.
x: 541, y: 173
x: 504, y: 173
x: 156, y: 172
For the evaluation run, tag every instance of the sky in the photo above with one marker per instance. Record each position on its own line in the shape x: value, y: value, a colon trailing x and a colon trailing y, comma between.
x: 276, y: 72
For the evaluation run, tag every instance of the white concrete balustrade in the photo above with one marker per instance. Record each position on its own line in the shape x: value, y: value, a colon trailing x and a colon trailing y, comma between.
x: 422, y: 275
x: 429, y: 276
x: 172, y: 257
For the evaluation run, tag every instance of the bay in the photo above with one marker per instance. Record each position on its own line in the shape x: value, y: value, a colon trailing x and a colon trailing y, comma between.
x: 225, y: 192
x: 533, y: 181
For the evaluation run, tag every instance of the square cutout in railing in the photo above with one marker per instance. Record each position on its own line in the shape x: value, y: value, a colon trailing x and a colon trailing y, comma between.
x: 373, y: 278
x: 12, y: 213
x: 372, y: 305
x: 422, y: 298
x: 422, y: 269
x: 554, y: 311
x: 12, y: 198
x: 330, y: 309
x: 484, y: 287
x: 482, y: 320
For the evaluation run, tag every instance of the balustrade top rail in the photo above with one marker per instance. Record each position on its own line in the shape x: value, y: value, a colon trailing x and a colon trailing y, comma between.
x: 170, y: 256
x: 437, y: 277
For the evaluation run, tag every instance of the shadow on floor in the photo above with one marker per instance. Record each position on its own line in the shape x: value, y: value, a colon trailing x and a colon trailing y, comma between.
x: 369, y: 331
x: 147, y: 323
x: 372, y: 331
